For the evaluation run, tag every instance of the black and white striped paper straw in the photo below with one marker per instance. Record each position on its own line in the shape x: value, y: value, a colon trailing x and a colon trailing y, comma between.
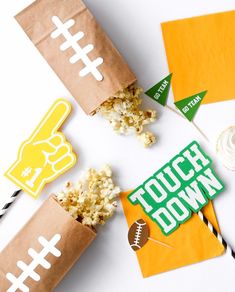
x: 227, y: 247
x: 9, y: 202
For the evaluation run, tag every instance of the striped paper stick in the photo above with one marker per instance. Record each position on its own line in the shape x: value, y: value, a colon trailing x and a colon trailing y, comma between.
x: 9, y: 202
x: 227, y: 247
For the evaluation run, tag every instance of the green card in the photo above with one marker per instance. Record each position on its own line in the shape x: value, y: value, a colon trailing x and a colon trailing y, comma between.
x: 182, y: 186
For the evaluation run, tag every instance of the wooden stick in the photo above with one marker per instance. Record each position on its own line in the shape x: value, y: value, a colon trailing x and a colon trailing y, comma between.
x: 159, y: 242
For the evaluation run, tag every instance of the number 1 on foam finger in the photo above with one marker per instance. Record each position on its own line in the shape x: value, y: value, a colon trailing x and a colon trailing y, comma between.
x: 31, y: 182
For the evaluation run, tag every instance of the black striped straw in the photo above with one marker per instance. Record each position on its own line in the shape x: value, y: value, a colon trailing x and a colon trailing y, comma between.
x: 227, y: 247
x: 9, y: 202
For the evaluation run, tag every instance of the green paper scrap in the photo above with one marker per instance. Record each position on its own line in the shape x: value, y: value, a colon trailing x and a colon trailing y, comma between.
x: 189, y: 105
x: 159, y: 92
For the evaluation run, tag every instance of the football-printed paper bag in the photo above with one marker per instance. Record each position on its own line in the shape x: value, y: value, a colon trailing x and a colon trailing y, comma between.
x: 77, y: 49
x: 43, y: 251
x: 192, y: 242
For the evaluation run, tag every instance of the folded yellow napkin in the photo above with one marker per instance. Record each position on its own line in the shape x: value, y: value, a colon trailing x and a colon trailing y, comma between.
x: 200, y: 53
x: 192, y: 242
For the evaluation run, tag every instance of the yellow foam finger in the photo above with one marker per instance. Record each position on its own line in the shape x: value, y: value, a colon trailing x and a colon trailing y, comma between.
x: 64, y: 162
x: 57, y: 139
x: 59, y: 154
x: 34, y: 166
x: 53, y: 120
x: 45, y: 146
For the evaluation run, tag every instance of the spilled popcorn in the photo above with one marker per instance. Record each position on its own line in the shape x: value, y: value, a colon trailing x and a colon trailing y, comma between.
x: 92, y: 200
x: 123, y: 113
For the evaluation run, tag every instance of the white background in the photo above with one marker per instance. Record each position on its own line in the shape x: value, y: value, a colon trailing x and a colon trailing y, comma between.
x: 28, y: 87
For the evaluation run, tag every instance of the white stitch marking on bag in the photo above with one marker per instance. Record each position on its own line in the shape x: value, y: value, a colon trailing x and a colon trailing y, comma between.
x: 38, y: 259
x: 80, y: 53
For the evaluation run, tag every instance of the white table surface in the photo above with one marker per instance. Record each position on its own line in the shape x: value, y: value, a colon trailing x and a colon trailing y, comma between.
x: 28, y: 87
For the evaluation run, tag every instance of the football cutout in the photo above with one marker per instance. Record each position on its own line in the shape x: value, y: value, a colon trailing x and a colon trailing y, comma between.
x: 138, y: 234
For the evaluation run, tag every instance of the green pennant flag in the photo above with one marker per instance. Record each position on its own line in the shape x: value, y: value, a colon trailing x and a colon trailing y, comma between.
x: 159, y: 91
x: 189, y: 105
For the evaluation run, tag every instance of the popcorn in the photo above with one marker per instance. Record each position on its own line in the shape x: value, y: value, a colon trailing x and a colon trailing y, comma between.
x: 92, y: 200
x: 147, y: 139
x: 123, y: 113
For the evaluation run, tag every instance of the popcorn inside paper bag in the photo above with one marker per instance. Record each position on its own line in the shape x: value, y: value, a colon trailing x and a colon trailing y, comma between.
x: 87, y: 62
x: 50, y: 243
x: 91, y: 200
x: 125, y: 116
x: 78, y: 50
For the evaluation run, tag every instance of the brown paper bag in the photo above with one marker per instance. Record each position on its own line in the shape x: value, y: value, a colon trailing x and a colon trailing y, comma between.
x: 110, y: 72
x: 43, y: 251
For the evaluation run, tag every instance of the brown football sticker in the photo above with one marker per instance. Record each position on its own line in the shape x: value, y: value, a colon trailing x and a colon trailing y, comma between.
x: 138, y: 235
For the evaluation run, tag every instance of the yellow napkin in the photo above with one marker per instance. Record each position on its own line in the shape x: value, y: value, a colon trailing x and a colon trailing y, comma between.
x: 192, y: 242
x: 200, y: 53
